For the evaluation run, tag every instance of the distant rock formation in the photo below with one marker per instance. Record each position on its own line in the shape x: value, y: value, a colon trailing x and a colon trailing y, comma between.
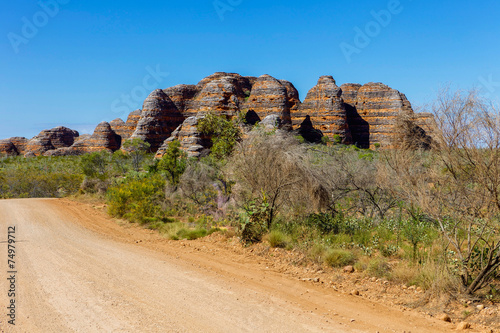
x: 13, y: 146
x: 8, y: 148
x: 192, y: 141
x: 58, y: 137
x: 372, y: 113
x: 159, y: 118
x: 365, y: 115
x: 325, y: 107
x: 270, y: 97
x: 104, y: 138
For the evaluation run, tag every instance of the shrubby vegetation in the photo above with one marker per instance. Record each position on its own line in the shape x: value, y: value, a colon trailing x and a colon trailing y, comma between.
x: 416, y: 216
x: 39, y: 177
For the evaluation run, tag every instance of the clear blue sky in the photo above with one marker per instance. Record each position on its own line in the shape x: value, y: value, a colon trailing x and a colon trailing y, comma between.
x: 76, y: 67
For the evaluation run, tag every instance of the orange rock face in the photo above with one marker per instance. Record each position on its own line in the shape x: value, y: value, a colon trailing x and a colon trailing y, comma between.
x: 270, y: 97
x: 59, y: 137
x: 20, y: 143
x: 191, y: 140
x: 13, y: 146
x: 354, y: 114
x: 103, y: 138
x: 8, y: 148
x: 373, y: 111
x: 159, y: 118
x: 325, y: 107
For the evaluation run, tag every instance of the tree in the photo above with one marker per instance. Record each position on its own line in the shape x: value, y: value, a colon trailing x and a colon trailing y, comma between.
x: 94, y: 165
x: 268, y: 172
x: 457, y: 184
x: 223, y: 133
x: 173, y: 163
x: 137, y: 149
x: 351, y: 179
x: 469, y: 189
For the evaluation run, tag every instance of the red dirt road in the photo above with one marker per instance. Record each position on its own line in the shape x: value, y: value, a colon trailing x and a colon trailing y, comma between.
x: 80, y: 271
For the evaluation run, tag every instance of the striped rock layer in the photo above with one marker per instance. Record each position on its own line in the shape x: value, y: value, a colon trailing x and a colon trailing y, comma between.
x: 372, y: 113
x: 58, y: 137
x: 365, y: 115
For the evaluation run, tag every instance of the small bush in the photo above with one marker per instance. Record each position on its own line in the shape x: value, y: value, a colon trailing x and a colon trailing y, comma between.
x: 192, y: 234
x: 317, y: 252
x: 138, y: 200
x: 378, y: 267
x: 339, y: 258
x: 278, y: 239
x: 389, y: 250
x: 326, y: 223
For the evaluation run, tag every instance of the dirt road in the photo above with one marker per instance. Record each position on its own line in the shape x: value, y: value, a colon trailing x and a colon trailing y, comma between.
x: 79, y: 271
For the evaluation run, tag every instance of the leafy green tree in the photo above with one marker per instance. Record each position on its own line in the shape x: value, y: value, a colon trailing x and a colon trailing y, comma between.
x: 173, y: 163
x: 223, y: 132
x: 137, y: 149
x: 416, y: 229
x: 120, y: 162
x: 94, y: 165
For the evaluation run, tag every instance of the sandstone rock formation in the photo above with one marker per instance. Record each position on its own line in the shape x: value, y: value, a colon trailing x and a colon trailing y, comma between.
x: 325, y: 107
x: 103, y: 138
x: 192, y: 141
x: 270, y: 97
x: 366, y: 115
x: 58, y: 137
x: 8, y: 148
x: 181, y: 95
x: 13, y: 146
x: 373, y: 110
x: 159, y: 118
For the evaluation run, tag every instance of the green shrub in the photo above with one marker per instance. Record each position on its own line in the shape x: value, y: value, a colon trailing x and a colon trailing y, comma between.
x: 192, y: 234
x: 317, y: 252
x: 389, y: 250
x: 339, y: 257
x: 94, y: 165
x: 223, y: 133
x: 325, y: 223
x: 378, y: 267
x: 173, y: 163
x: 278, y: 239
x: 138, y: 200
x: 252, y: 229
x: 39, y: 177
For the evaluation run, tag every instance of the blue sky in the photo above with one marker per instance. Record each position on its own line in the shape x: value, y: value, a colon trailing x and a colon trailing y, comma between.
x: 83, y: 58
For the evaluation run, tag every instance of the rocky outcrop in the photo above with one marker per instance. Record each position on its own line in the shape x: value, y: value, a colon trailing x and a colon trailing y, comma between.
x: 58, y: 137
x: 192, y: 141
x: 308, y: 132
x: 103, y: 138
x: 366, y: 115
x: 292, y: 96
x: 181, y: 95
x: 326, y: 109
x: 221, y: 93
x: 20, y: 143
x: 13, y: 146
x: 118, y: 126
x: 372, y: 111
x: 126, y: 129
x: 8, y: 148
x: 270, y: 97
x: 159, y: 118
